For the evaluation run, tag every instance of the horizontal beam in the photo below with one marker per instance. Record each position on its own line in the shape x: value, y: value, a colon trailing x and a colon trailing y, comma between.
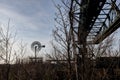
x: 114, y: 26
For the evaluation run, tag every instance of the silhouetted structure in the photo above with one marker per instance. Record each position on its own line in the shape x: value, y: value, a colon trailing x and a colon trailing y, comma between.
x: 91, y: 22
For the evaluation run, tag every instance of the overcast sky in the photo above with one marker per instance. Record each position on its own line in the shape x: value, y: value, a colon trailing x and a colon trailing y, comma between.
x: 32, y: 19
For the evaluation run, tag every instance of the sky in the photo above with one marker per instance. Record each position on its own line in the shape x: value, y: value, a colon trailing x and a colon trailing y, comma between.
x: 33, y: 20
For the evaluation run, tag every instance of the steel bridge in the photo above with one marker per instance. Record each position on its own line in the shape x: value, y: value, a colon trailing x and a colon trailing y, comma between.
x: 94, y: 19
x: 91, y: 21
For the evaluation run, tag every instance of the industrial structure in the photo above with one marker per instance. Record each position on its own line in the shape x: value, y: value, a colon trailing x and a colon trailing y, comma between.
x: 91, y: 21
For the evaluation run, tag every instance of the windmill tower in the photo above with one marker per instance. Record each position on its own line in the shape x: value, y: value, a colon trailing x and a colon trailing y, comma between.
x: 36, y: 47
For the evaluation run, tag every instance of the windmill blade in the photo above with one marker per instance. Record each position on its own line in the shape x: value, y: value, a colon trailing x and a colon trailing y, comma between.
x: 36, y: 46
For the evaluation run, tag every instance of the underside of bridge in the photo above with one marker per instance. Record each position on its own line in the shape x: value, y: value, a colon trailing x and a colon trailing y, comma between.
x: 89, y: 11
x: 96, y: 19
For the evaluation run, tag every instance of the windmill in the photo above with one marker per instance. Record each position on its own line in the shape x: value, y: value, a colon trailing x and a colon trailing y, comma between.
x: 36, y: 47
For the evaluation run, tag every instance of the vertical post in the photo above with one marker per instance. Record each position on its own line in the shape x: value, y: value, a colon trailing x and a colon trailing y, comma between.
x: 73, y: 38
x: 35, y: 54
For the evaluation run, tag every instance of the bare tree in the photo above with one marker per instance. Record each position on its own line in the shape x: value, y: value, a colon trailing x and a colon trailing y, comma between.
x: 106, y: 53
x: 62, y: 39
x: 20, y: 53
x: 62, y: 36
x: 6, y: 44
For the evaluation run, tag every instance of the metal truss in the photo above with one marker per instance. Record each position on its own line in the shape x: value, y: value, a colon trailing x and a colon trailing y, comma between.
x: 91, y: 21
x: 106, y: 23
x: 94, y: 20
x: 84, y: 16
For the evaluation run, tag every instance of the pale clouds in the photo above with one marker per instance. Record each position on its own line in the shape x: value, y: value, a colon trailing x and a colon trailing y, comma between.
x: 32, y: 14
x: 33, y: 19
